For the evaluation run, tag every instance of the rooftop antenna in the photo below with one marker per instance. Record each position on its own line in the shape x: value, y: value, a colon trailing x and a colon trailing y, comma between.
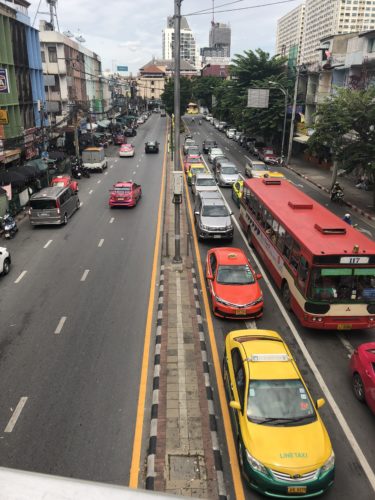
x: 213, y: 12
x: 52, y: 13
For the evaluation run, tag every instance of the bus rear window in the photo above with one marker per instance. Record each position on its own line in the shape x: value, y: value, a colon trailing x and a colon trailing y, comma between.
x: 47, y: 204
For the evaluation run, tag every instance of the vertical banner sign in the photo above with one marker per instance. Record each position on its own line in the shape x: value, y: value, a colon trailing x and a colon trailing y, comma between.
x: 258, y: 98
x: 4, y: 85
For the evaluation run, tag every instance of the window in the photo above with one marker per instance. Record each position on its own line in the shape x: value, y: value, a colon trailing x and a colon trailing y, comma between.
x: 303, y: 272
x: 52, y: 54
x: 295, y: 255
x: 213, y: 264
x: 43, y: 56
x: 280, y: 237
x: 288, y: 243
x: 371, y: 45
x: 239, y: 375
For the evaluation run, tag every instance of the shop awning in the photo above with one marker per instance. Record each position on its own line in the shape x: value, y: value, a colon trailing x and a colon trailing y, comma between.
x: 302, y: 139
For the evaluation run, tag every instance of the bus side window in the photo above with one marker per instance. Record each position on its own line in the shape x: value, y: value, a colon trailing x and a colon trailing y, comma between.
x: 247, y: 196
x: 259, y: 211
x: 303, y: 271
x: 280, y: 238
x: 288, y: 243
x: 295, y: 256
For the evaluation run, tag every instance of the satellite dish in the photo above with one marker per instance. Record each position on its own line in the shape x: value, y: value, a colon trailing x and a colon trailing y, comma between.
x: 68, y: 33
x: 80, y: 39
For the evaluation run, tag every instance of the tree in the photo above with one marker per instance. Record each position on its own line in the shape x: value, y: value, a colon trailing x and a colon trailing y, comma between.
x: 203, y: 89
x: 345, y: 124
x: 185, y: 92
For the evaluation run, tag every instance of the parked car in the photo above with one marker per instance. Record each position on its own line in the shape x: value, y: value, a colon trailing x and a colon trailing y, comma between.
x: 214, y: 152
x: 255, y: 146
x: 203, y: 182
x: 233, y: 284
x: 151, y: 147
x: 226, y: 174
x: 126, y: 150
x: 268, y: 155
x: 230, y: 133
x: 207, y: 144
x: 222, y: 126
x: 362, y: 368
x: 124, y: 194
x: 5, y: 261
x: 140, y: 120
x: 65, y: 181
x: 119, y: 139
x: 283, y: 446
x: 130, y: 132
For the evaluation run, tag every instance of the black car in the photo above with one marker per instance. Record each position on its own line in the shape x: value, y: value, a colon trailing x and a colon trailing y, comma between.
x: 130, y: 132
x: 207, y: 144
x: 151, y: 147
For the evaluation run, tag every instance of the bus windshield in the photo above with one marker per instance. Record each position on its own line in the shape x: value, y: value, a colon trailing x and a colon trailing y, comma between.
x: 342, y: 284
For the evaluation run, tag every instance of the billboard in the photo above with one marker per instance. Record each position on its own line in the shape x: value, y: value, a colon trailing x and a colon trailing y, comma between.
x: 122, y: 68
x: 258, y: 98
x: 4, y: 82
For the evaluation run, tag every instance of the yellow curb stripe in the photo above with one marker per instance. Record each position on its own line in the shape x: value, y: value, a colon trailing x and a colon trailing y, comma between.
x: 236, y: 476
x: 137, y: 442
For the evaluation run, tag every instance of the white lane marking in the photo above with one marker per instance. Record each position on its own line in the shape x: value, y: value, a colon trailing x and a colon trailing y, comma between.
x: 327, y: 393
x: 111, y: 166
x: 99, y: 181
x: 111, y: 220
x: 84, y: 275
x: 116, y: 160
x: 365, y: 231
x: 251, y: 325
x: 137, y: 165
x: 20, y: 276
x: 17, y: 412
x: 348, y: 346
x: 100, y: 244
x: 60, y: 325
x: 48, y: 243
x: 105, y: 173
x: 80, y: 203
x: 134, y: 173
x: 91, y: 191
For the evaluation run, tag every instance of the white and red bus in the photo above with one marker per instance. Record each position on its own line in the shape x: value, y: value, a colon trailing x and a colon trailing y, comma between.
x: 324, y: 267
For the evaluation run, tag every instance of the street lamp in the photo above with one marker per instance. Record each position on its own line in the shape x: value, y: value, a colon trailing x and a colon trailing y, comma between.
x: 286, y: 95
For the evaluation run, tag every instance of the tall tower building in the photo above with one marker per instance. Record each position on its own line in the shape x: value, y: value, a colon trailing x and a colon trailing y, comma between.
x: 220, y: 37
x: 290, y: 30
x: 188, y: 44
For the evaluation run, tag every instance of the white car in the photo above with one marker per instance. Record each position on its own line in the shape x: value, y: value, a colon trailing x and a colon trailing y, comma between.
x: 231, y: 133
x: 214, y: 152
x: 203, y: 182
x: 140, y: 120
x: 5, y: 261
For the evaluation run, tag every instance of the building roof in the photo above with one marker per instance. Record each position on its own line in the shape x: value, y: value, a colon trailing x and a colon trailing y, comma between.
x: 168, y: 64
x: 152, y: 68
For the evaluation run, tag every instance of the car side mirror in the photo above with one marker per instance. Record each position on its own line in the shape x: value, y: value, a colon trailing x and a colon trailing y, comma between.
x: 209, y: 276
x: 235, y: 405
x: 258, y: 276
x: 320, y: 402
x: 196, y: 213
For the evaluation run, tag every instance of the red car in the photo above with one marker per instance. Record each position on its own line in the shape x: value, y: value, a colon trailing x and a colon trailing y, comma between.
x: 64, y: 181
x: 233, y: 284
x: 268, y: 155
x: 191, y: 160
x: 125, y: 194
x: 362, y: 367
x: 119, y: 139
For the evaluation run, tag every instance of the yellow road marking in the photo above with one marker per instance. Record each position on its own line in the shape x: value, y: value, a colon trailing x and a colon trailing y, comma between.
x: 237, y: 482
x: 137, y: 442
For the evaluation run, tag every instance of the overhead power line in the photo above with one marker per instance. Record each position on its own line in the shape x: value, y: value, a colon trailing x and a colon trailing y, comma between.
x: 201, y: 13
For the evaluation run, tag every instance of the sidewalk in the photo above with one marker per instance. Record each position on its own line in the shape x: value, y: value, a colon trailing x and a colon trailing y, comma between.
x: 184, y: 456
x: 357, y: 199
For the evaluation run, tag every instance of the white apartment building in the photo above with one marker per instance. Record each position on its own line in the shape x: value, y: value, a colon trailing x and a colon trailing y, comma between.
x: 290, y: 29
x: 324, y: 18
x: 187, y: 42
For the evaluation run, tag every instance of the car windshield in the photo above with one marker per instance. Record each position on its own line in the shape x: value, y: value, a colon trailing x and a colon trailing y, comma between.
x: 59, y: 183
x: 342, y: 285
x: 206, y: 182
x: 44, y: 204
x: 196, y: 170
x: 194, y: 160
x: 279, y: 402
x: 124, y: 189
x: 229, y: 170
x: 151, y: 143
x: 189, y: 142
x: 215, y: 211
x: 193, y: 150
x: 235, y: 275
x: 209, y: 143
x: 216, y: 151
x: 259, y: 167
x: 268, y: 151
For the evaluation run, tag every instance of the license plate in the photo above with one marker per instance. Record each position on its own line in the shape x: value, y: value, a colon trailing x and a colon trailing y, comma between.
x: 297, y: 489
x: 241, y: 312
x: 120, y: 199
x: 43, y: 215
x: 217, y: 236
x: 344, y: 326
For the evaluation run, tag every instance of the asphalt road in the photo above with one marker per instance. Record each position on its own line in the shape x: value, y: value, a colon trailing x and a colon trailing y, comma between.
x: 73, y: 314
x: 329, y: 351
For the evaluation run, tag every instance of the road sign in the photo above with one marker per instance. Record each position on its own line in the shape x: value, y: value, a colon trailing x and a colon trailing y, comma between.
x: 258, y: 98
x: 4, y: 82
x: 122, y: 68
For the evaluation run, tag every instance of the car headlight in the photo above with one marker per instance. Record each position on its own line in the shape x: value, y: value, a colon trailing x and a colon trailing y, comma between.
x: 205, y: 228
x: 222, y: 301
x: 330, y: 463
x: 257, y: 301
x: 254, y: 464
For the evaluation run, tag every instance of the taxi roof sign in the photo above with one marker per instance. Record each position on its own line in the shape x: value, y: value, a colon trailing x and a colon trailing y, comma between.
x: 269, y: 357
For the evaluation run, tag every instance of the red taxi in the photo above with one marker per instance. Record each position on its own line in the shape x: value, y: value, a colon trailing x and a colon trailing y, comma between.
x: 65, y: 181
x: 124, y: 194
x: 190, y: 160
x: 126, y: 150
x: 362, y: 367
x: 268, y: 155
x: 233, y: 284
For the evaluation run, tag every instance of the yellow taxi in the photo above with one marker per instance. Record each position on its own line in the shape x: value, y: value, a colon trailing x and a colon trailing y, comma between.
x: 256, y: 169
x: 237, y: 192
x: 283, y: 446
x: 195, y: 168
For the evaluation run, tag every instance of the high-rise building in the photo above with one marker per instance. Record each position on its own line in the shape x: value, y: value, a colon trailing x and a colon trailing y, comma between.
x: 187, y: 41
x: 290, y: 29
x: 219, y: 39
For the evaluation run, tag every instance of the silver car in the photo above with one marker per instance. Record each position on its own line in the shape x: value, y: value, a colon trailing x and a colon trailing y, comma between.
x: 203, y: 182
x: 214, y: 152
x: 212, y: 216
x: 226, y: 174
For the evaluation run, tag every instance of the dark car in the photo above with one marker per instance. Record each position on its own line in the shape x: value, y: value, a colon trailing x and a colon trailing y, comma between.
x: 130, y: 132
x: 207, y: 144
x: 151, y: 147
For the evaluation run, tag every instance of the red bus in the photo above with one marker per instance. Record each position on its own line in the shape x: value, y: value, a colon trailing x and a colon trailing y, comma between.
x: 324, y: 267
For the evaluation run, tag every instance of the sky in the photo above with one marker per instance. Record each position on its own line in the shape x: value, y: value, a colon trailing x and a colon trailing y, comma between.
x: 129, y: 32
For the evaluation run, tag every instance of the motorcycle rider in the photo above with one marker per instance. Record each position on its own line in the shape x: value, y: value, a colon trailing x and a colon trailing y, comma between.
x: 348, y: 219
x: 337, y: 191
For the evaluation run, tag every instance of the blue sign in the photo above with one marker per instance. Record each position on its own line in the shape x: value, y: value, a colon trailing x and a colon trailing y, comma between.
x: 44, y: 155
x: 122, y: 68
x: 4, y: 84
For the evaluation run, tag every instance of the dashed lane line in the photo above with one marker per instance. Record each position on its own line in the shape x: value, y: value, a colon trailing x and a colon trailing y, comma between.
x: 100, y: 244
x: 348, y: 346
x: 48, y: 243
x: 105, y: 173
x: 111, y: 220
x: 84, y: 275
x: 116, y: 160
x: 134, y: 173
x: 20, y: 277
x: 17, y: 412
x: 99, y: 181
x: 111, y: 166
x: 91, y: 191
x: 60, y: 325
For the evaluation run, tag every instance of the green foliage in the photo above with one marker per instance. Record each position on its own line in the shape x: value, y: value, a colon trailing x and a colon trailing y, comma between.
x: 168, y: 95
x: 203, y: 88
x: 345, y: 125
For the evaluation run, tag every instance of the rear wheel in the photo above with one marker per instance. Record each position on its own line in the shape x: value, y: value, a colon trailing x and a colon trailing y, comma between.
x: 358, y: 388
x: 65, y: 219
x: 287, y: 297
x: 6, y: 267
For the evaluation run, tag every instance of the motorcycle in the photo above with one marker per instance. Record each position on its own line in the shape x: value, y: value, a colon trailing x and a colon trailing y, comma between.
x: 337, y: 196
x: 9, y: 226
x: 76, y: 171
x: 85, y: 171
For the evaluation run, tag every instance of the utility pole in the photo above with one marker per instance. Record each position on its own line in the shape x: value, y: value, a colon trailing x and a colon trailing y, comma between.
x: 290, y: 145
x: 176, y: 161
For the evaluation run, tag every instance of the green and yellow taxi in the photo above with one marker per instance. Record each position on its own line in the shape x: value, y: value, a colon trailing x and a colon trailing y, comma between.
x: 195, y: 168
x: 283, y: 446
x: 237, y: 192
